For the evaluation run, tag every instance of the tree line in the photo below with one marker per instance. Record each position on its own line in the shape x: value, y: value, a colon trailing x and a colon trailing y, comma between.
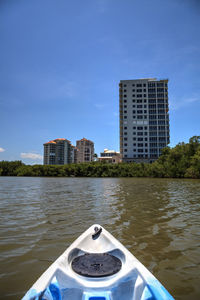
x: 181, y: 161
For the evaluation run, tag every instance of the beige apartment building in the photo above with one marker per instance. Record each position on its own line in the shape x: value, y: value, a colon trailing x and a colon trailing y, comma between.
x: 85, y: 150
x: 58, y: 152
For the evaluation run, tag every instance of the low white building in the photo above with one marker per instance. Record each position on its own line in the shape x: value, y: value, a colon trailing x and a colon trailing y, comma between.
x: 110, y: 156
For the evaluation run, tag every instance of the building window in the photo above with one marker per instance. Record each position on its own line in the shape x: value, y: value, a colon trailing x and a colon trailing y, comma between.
x: 152, y: 106
x: 161, y: 122
x: 152, y: 117
x: 153, y: 122
x: 160, y: 84
x: 152, y: 95
x: 161, y: 106
x: 139, y: 85
x: 151, y: 84
x: 160, y: 95
x: 151, y: 112
x: 151, y: 90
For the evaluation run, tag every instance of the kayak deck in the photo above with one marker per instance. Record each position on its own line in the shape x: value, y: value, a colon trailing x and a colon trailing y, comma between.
x: 97, y: 267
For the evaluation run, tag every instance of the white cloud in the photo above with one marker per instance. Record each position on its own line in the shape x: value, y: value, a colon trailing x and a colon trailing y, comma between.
x: 31, y: 156
x: 2, y: 150
x: 99, y: 105
x: 174, y: 105
x: 67, y: 89
x: 102, y: 6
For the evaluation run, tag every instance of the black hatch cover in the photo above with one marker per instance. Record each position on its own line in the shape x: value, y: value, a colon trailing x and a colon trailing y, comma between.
x: 96, y: 265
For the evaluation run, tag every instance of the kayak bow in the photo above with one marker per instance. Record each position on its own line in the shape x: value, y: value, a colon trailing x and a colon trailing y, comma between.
x: 97, y: 267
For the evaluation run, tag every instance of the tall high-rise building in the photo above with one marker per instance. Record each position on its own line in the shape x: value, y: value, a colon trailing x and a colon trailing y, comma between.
x: 57, y: 152
x: 85, y: 150
x: 144, y: 118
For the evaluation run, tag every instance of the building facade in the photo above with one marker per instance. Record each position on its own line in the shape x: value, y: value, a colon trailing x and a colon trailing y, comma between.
x: 85, y: 150
x: 144, y: 119
x: 110, y: 156
x: 58, y: 152
x: 74, y: 154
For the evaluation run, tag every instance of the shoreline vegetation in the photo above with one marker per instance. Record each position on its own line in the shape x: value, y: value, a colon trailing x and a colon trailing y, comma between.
x: 181, y: 161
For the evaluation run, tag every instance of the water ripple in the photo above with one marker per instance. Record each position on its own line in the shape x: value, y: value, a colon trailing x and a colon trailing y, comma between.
x: 158, y: 220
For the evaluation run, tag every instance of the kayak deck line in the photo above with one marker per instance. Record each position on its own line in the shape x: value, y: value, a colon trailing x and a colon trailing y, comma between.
x: 97, y: 267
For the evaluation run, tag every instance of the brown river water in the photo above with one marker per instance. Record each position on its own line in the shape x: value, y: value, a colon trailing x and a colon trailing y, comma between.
x: 156, y: 219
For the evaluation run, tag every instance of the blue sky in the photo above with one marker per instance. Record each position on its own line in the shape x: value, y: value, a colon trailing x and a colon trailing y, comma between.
x: 61, y: 62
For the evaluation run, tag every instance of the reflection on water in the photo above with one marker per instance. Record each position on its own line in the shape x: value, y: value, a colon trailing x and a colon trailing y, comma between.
x: 158, y: 220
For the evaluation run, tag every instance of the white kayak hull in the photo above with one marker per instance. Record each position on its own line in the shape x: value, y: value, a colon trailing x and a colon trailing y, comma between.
x: 131, y: 279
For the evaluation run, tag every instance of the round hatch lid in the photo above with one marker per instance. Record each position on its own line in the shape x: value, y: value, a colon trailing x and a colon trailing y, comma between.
x: 96, y: 265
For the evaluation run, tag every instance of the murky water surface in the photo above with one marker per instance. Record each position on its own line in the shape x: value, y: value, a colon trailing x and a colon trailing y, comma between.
x: 157, y: 220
